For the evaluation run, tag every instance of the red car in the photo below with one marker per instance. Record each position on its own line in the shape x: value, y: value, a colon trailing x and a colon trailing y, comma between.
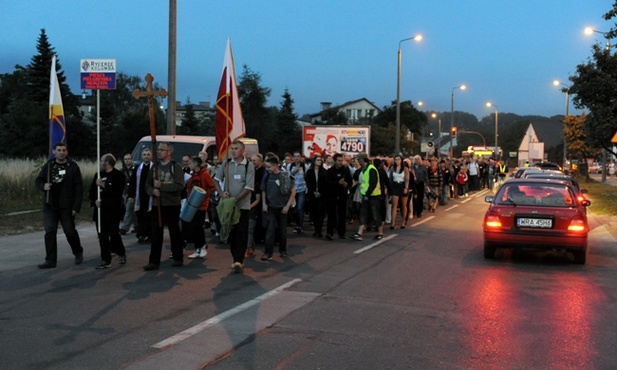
x: 536, y: 214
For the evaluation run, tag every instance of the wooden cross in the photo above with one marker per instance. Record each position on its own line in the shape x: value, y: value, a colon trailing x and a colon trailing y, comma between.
x: 150, y: 94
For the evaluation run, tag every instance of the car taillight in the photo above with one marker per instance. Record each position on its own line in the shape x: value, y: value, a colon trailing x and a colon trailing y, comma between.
x: 577, y: 225
x: 492, y: 221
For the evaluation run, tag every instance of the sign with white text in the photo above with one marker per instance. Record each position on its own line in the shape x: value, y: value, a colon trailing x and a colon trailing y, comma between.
x: 97, y: 74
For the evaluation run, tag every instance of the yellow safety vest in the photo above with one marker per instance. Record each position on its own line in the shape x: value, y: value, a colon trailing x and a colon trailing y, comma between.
x: 365, y: 182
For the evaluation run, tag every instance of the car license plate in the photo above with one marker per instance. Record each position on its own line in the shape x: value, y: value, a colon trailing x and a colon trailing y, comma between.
x: 543, y: 223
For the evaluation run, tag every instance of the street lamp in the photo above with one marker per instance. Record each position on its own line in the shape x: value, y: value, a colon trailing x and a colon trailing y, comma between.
x: 434, y: 115
x: 398, y: 94
x: 462, y: 87
x: 589, y: 31
x: 489, y: 104
x: 566, y: 89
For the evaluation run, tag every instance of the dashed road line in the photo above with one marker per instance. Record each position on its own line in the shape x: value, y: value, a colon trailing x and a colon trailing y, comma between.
x: 423, y: 221
x: 364, y: 249
x: 175, y: 339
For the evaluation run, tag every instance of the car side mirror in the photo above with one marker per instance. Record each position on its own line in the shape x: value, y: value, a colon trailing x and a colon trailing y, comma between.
x: 489, y: 199
x: 586, y: 203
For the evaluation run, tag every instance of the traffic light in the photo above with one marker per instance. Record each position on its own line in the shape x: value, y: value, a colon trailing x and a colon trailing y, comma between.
x: 453, y: 133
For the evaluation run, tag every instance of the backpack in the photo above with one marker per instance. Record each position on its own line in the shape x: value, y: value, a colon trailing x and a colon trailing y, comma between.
x: 284, y: 182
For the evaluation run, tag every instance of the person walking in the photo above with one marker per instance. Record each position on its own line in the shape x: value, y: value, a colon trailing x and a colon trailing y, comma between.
x: 127, y: 221
x: 168, y: 189
x: 338, y: 182
x: 238, y: 174
x: 139, y: 197
x: 298, y: 172
x: 278, y: 194
x: 316, y: 193
x: 111, y: 183
x: 202, y: 179
x: 370, y: 189
x: 60, y: 180
x: 399, y: 178
x: 421, y: 173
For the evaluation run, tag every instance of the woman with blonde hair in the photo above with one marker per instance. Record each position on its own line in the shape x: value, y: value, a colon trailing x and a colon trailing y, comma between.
x: 399, y: 177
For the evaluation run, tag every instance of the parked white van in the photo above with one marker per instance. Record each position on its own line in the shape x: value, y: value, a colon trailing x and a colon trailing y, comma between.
x: 189, y: 145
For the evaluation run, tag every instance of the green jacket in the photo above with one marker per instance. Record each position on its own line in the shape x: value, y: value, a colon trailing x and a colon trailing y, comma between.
x: 229, y: 215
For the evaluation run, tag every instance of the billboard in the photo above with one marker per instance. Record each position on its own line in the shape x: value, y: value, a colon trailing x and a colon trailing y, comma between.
x: 329, y: 140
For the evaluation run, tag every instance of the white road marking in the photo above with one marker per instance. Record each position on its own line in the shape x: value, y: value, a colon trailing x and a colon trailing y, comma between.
x: 454, y: 206
x: 218, y: 318
x: 423, y: 221
x: 386, y: 238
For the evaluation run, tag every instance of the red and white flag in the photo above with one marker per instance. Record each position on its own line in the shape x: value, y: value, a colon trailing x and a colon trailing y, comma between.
x: 228, y: 122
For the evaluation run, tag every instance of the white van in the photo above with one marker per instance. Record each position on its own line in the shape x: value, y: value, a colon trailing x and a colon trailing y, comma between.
x: 189, y: 145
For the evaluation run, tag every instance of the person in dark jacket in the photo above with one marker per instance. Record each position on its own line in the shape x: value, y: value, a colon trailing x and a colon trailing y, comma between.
x: 316, y: 186
x: 60, y: 180
x: 109, y: 207
x: 138, y: 196
x: 338, y: 182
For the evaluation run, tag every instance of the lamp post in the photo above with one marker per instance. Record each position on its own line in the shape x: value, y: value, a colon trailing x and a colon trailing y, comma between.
x: 434, y: 115
x: 565, y: 89
x: 462, y: 87
x: 489, y: 104
x: 397, y: 143
x: 589, y: 31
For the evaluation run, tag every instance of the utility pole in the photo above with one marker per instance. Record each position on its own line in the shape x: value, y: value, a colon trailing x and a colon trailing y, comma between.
x: 171, y: 70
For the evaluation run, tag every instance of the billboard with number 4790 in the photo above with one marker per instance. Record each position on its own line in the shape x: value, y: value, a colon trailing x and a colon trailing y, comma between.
x: 329, y: 140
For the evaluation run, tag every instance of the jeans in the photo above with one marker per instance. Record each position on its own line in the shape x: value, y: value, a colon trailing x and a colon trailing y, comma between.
x: 300, y: 200
x: 65, y: 216
x: 443, y: 197
x: 277, y: 224
x: 129, y: 216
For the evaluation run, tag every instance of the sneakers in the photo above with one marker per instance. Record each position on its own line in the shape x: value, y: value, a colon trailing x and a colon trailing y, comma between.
x: 199, y: 253
x: 266, y: 257
x: 103, y: 265
x: 298, y: 230
x: 122, y: 260
x: 378, y: 237
x: 283, y: 254
x: 238, y: 267
x: 356, y: 236
x: 79, y: 259
x: 196, y: 254
x: 47, y: 265
x: 151, y: 267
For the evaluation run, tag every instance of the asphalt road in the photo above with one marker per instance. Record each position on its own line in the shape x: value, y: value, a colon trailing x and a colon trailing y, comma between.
x: 423, y: 297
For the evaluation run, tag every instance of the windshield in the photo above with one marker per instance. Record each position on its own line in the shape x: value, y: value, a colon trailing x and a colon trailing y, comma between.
x: 540, y: 194
x: 180, y: 149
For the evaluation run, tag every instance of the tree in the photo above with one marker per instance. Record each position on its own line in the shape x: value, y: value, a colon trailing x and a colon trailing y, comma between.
x: 253, y: 98
x: 190, y: 124
x: 287, y: 130
x: 594, y: 86
x: 576, y: 138
x: 383, y: 129
x: 24, y: 95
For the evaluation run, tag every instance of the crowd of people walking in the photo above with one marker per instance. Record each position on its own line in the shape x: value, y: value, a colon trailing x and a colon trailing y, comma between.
x: 248, y: 203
